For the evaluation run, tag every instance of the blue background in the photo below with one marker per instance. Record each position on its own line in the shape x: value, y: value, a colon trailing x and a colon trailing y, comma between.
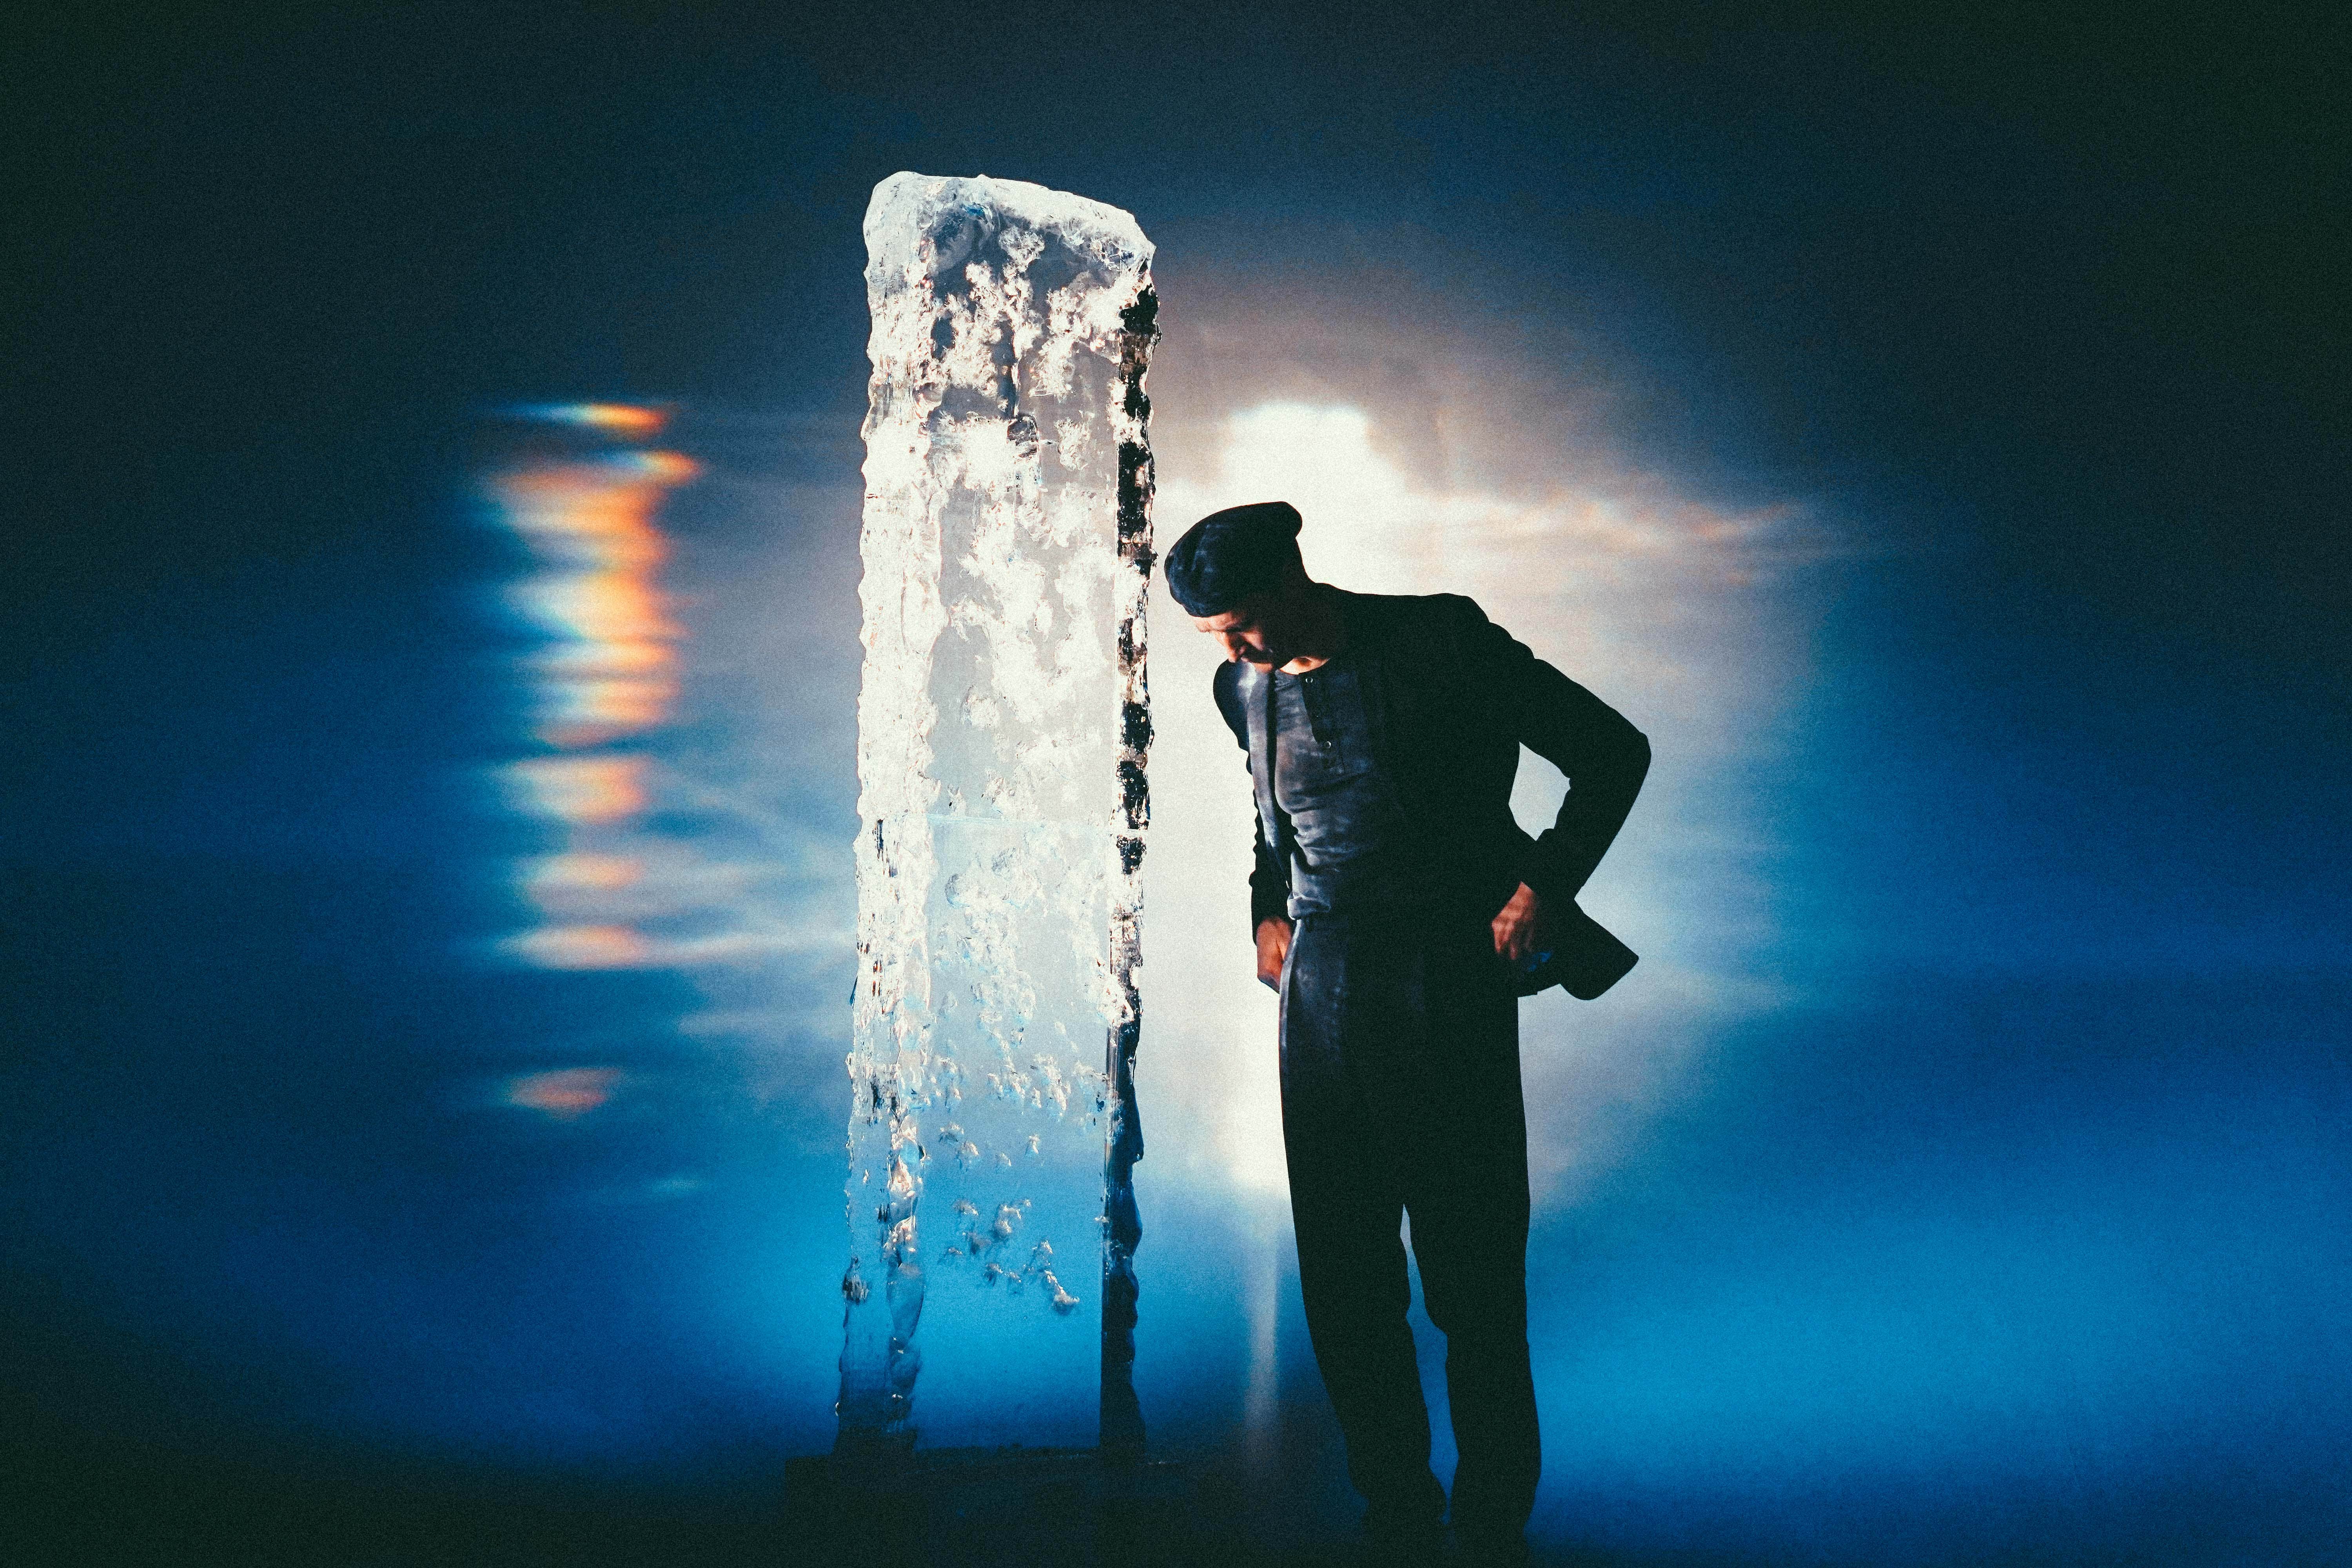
x: 2011, y: 1229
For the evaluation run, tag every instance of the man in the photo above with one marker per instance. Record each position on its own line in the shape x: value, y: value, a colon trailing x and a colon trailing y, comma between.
x: 1396, y: 907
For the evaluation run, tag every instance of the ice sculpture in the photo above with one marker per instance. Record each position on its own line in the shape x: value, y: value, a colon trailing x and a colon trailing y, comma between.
x: 1002, y: 727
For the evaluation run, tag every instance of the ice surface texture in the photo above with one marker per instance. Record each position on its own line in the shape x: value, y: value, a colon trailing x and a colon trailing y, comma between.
x: 1003, y: 730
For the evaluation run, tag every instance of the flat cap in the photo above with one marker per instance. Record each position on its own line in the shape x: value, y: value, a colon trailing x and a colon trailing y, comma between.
x: 1228, y: 555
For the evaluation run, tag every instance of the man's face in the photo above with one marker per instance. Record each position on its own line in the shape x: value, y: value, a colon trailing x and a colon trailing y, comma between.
x: 1257, y: 629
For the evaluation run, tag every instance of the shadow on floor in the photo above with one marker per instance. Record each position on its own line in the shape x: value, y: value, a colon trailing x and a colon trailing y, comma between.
x: 67, y: 1503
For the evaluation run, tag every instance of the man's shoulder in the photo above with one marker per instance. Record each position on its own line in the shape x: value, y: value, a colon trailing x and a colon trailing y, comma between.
x: 1226, y: 684
x: 1416, y: 613
x: 1226, y: 688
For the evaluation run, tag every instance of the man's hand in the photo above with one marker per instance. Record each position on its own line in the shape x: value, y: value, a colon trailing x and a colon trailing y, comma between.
x: 1518, y: 927
x: 1273, y: 947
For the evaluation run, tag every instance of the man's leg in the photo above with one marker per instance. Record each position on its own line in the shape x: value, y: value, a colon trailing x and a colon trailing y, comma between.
x: 1348, y: 1207
x: 1469, y: 1205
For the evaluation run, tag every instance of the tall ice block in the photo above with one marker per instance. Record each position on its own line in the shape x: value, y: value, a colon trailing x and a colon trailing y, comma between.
x: 1001, y: 730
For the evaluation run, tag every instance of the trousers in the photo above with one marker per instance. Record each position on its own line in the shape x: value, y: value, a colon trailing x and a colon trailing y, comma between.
x: 1400, y: 1096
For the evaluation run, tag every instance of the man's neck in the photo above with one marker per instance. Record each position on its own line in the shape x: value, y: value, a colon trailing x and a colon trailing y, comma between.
x: 1323, y: 630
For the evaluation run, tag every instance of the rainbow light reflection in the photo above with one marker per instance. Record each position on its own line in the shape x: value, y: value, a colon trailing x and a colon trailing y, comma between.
x: 607, y: 675
x: 612, y: 667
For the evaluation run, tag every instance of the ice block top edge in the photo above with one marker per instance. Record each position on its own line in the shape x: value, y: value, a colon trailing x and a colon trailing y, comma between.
x: 910, y: 210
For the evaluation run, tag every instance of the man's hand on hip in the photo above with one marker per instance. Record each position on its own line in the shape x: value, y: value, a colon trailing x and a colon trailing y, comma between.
x: 1273, y: 947
x: 1517, y: 926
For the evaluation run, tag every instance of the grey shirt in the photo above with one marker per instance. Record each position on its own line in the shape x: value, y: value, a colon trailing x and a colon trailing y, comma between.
x: 1350, y: 846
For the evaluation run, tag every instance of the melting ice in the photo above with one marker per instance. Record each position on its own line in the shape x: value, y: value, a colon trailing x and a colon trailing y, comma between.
x: 1002, y: 728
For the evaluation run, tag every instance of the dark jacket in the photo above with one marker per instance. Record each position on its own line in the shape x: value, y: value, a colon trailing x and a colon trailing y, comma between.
x: 1450, y: 697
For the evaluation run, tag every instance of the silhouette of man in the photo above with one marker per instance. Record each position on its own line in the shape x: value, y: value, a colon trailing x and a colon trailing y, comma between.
x: 1397, y: 906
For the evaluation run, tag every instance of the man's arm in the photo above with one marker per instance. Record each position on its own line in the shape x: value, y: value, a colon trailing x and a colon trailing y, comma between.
x: 1604, y: 757
x: 1270, y: 872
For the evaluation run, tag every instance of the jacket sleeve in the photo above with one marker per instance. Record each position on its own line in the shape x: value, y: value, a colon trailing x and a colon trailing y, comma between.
x: 1604, y: 757
x: 1269, y: 879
